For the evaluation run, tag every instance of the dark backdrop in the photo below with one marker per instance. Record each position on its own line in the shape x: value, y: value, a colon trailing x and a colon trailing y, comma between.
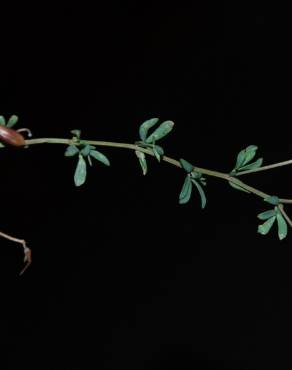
x: 123, y: 276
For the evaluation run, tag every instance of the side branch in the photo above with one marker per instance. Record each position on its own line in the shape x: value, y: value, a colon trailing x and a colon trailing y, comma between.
x: 27, y: 252
x: 265, y: 168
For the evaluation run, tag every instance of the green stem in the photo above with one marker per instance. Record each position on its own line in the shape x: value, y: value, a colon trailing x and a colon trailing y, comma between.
x: 265, y: 168
x: 287, y: 218
x: 222, y: 175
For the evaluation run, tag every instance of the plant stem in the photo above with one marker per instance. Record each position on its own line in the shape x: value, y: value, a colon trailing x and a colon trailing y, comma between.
x: 287, y: 218
x: 26, y: 250
x: 265, y: 168
x: 222, y: 175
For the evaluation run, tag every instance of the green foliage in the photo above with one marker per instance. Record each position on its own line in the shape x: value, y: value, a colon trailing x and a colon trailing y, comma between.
x: 76, y: 133
x: 186, y: 165
x: 242, y: 164
x: 160, y: 132
x: 272, y: 200
x: 243, y: 159
x: 197, y: 175
x: 99, y: 157
x: 89, y: 160
x: 11, y: 121
x: 150, y: 142
x: 201, y: 192
x: 270, y: 216
x: 267, y: 214
x: 249, y: 154
x: 157, y: 151
x: 253, y: 165
x: 163, y: 129
x: 142, y: 161
x: 187, y: 188
x: 86, y: 152
x: 266, y: 226
x: 143, y: 130
x: 80, y: 172
x: 71, y: 150
x: 282, y: 226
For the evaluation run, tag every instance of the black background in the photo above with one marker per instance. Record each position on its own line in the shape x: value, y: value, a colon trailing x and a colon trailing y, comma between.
x: 123, y: 276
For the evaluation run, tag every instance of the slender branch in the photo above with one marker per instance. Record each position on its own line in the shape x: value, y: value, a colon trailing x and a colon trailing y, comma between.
x: 222, y: 175
x: 26, y: 250
x: 287, y: 218
x: 208, y: 172
x: 265, y: 168
x: 284, y: 200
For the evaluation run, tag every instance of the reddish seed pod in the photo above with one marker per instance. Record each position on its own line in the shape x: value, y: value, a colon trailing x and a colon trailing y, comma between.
x: 11, y: 137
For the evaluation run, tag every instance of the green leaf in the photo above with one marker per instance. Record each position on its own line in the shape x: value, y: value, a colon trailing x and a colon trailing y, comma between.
x: 71, y: 150
x: 86, y: 150
x: 186, y: 191
x: 80, y: 172
x: 143, y: 130
x: 273, y: 199
x: 238, y: 187
x: 142, y: 161
x: 245, y: 156
x: 266, y: 226
x: 161, y: 131
x: 282, y: 226
x: 252, y: 166
x: 76, y: 133
x: 157, y: 155
x: 89, y: 160
x: 159, y: 149
x: 100, y: 157
x: 250, y: 152
x: 267, y: 214
x: 197, y: 175
x: 12, y: 121
x: 240, y: 159
x: 144, y: 145
x: 186, y: 165
x: 201, y: 192
x: 2, y: 121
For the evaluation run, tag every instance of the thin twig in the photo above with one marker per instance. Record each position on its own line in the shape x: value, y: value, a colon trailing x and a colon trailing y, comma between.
x: 265, y: 168
x: 287, y: 218
x: 27, y: 252
x: 172, y: 161
x: 222, y: 175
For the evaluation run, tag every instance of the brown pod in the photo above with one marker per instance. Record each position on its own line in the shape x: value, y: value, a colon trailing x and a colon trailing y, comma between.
x: 11, y: 137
